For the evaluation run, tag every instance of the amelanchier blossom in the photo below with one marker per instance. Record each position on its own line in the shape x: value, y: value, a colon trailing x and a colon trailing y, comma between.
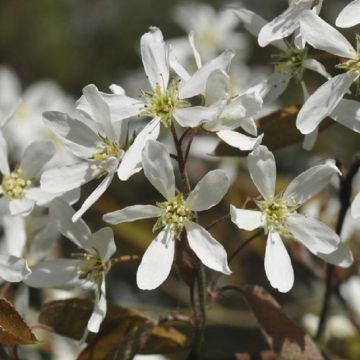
x: 175, y: 215
x: 20, y: 188
x: 167, y: 101
x: 287, y: 22
x: 88, y: 267
x: 289, y: 64
x: 328, y: 100
x: 214, y: 31
x: 349, y: 15
x: 279, y: 217
x: 98, y: 143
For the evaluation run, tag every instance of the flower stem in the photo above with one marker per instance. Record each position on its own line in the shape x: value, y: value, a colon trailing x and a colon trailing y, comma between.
x: 345, y: 201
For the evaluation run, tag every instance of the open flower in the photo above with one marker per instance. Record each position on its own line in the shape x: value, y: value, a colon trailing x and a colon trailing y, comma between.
x: 279, y: 217
x: 328, y: 100
x: 89, y: 267
x: 98, y: 143
x: 166, y: 102
x: 349, y: 15
x: 19, y: 188
x: 174, y: 215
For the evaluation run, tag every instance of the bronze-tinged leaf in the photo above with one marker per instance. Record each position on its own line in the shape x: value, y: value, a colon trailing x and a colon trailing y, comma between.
x: 13, y: 329
x: 284, y: 337
x: 279, y: 129
x: 69, y: 318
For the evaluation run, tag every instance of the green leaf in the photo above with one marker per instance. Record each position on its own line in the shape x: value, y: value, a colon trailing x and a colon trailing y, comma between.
x: 122, y: 329
x: 279, y: 129
x: 284, y: 337
x: 13, y: 329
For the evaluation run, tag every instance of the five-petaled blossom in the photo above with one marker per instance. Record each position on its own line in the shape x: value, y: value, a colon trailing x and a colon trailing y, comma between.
x: 328, y: 100
x: 279, y: 217
x: 167, y: 100
x: 89, y: 267
x: 174, y: 215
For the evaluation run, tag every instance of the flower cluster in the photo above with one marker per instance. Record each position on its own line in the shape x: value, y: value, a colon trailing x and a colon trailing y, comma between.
x: 91, y: 141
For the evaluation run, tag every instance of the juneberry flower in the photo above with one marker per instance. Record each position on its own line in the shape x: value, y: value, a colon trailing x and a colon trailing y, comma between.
x: 88, y: 267
x: 279, y: 217
x: 175, y: 215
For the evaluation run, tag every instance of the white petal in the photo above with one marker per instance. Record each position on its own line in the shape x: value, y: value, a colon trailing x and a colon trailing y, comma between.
x: 176, y: 66
x: 209, y: 191
x: 100, y: 110
x: 13, y: 269
x: 246, y: 219
x: 194, y: 116
x: 350, y: 15
x: 100, y: 308
x: 355, y: 207
x: 238, y: 140
x: 249, y: 125
x: 316, y: 66
x: 347, y: 113
x: 132, y: 213
x: 253, y: 23
x: 131, y: 161
x: 62, y: 179
x: 262, y: 168
x: 93, y: 197
x: 278, y: 267
x: 310, y: 140
x: 283, y: 25
x: 217, y: 86
x: 195, y: 50
x: 36, y: 155
x: 323, y: 36
x: 21, y: 207
x: 103, y: 241
x: 312, y: 233
x: 60, y: 214
x: 157, y: 260
x: 323, y: 101
x: 40, y: 197
x: 211, y: 253
x: 117, y: 89
x: 197, y: 83
x: 15, y: 235
x: 154, y: 55
x: 310, y: 182
x: 350, y: 290
x: 52, y: 273
x: 80, y: 139
x: 342, y: 256
x: 158, y: 168
x: 4, y: 164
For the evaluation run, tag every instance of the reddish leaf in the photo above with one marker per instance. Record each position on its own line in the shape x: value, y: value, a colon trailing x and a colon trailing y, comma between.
x: 13, y: 329
x: 284, y: 337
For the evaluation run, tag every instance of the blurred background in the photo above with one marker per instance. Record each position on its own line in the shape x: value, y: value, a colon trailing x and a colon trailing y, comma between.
x: 72, y: 43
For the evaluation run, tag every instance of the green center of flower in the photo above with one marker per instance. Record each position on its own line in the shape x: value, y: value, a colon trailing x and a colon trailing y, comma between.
x: 175, y: 213
x: 91, y: 266
x: 162, y: 104
x: 14, y: 186
x: 106, y: 150
x: 275, y: 211
x: 291, y: 61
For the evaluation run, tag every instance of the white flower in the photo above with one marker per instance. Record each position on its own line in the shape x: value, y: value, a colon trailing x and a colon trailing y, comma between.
x: 90, y: 267
x: 96, y: 141
x: 167, y: 100
x: 214, y: 32
x: 174, y: 215
x: 287, y: 22
x: 289, y: 63
x: 355, y: 207
x: 350, y: 15
x: 327, y: 99
x: 279, y: 217
x: 19, y: 188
